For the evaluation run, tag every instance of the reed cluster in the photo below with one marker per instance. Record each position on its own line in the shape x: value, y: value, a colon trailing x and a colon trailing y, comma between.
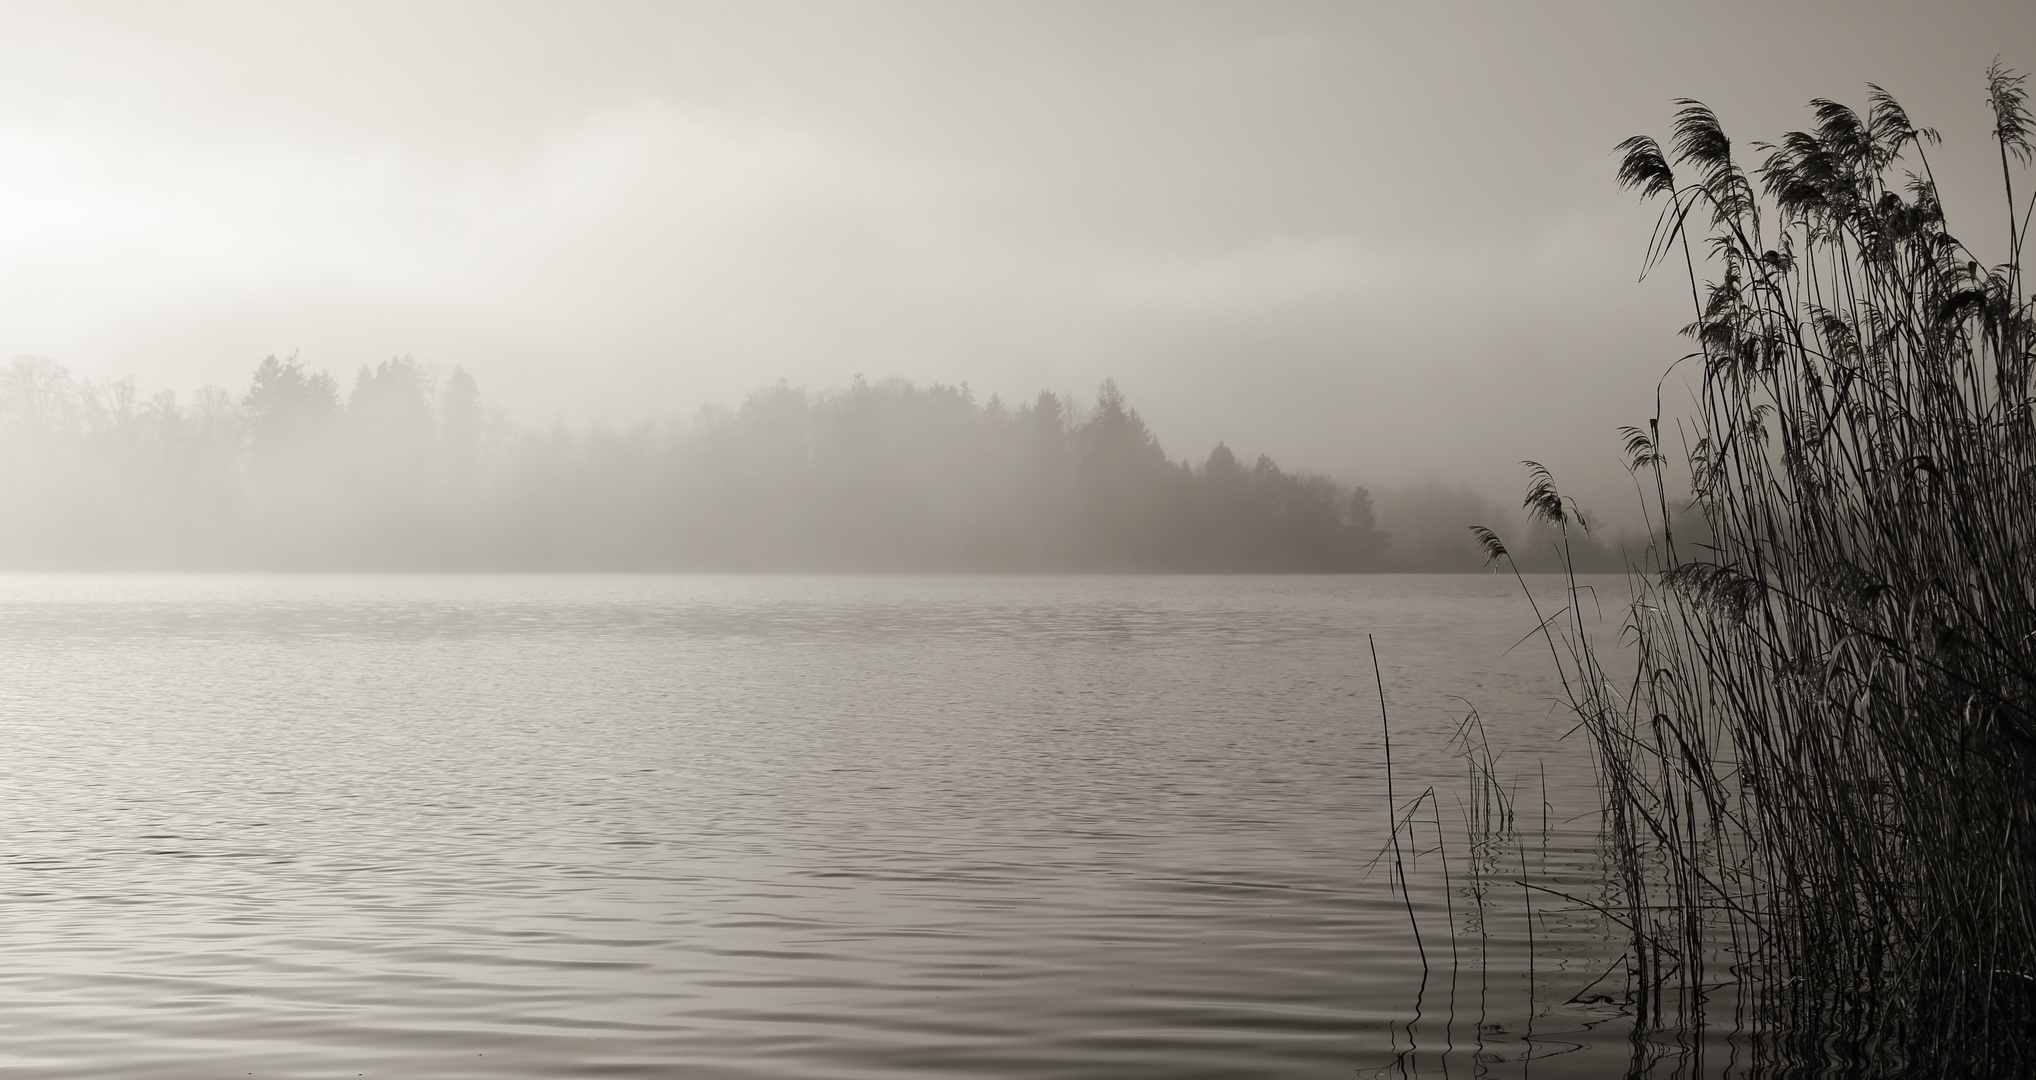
x: 1820, y: 775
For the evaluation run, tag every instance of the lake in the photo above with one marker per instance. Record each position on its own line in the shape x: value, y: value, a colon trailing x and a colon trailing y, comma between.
x: 614, y: 826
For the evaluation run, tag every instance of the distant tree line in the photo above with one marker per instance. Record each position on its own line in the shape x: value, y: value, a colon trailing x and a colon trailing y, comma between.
x: 409, y: 471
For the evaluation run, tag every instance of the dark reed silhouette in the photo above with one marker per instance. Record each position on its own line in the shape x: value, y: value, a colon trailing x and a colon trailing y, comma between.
x: 1818, y: 784
x: 407, y: 471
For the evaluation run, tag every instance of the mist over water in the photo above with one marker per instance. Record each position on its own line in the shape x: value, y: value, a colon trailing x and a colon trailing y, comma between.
x: 748, y: 826
x: 408, y: 471
x: 798, y: 539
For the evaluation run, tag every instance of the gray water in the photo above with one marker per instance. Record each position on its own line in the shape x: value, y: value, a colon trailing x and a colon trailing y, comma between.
x: 775, y: 827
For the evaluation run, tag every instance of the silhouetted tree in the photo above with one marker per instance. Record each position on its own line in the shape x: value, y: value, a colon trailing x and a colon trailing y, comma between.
x: 288, y: 406
x: 459, y: 421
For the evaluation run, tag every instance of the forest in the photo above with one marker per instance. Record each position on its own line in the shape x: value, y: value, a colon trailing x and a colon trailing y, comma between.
x: 406, y: 471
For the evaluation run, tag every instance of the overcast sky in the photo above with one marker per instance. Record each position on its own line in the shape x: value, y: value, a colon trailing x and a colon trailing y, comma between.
x: 1377, y: 240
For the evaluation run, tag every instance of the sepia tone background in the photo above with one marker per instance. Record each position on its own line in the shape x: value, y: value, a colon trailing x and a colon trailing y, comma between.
x: 1379, y: 242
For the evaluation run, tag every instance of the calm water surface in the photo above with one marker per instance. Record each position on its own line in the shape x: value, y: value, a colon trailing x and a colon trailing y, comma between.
x: 775, y: 827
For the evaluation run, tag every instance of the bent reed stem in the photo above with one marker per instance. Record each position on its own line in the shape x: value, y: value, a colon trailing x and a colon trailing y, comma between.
x: 1819, y: 772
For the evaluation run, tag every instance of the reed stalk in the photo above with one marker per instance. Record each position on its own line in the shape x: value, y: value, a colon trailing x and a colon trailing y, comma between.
x: 1821, y: 781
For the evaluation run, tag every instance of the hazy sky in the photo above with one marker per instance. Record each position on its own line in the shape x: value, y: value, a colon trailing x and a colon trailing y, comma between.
x: 1378, y: 240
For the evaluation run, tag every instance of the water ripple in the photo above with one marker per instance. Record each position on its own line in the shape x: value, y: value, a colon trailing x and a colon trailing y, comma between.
x: 724, y: 827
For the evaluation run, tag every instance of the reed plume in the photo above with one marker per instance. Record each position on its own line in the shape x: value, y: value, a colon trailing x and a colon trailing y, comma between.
x: 1821, y: 781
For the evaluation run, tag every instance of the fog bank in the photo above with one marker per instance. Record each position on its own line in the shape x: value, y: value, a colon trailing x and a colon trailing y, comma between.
x: 407, y: 470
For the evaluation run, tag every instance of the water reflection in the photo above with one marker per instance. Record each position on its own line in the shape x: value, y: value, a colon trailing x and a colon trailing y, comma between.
x: 765, y: 827
x: 1537, y: 974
